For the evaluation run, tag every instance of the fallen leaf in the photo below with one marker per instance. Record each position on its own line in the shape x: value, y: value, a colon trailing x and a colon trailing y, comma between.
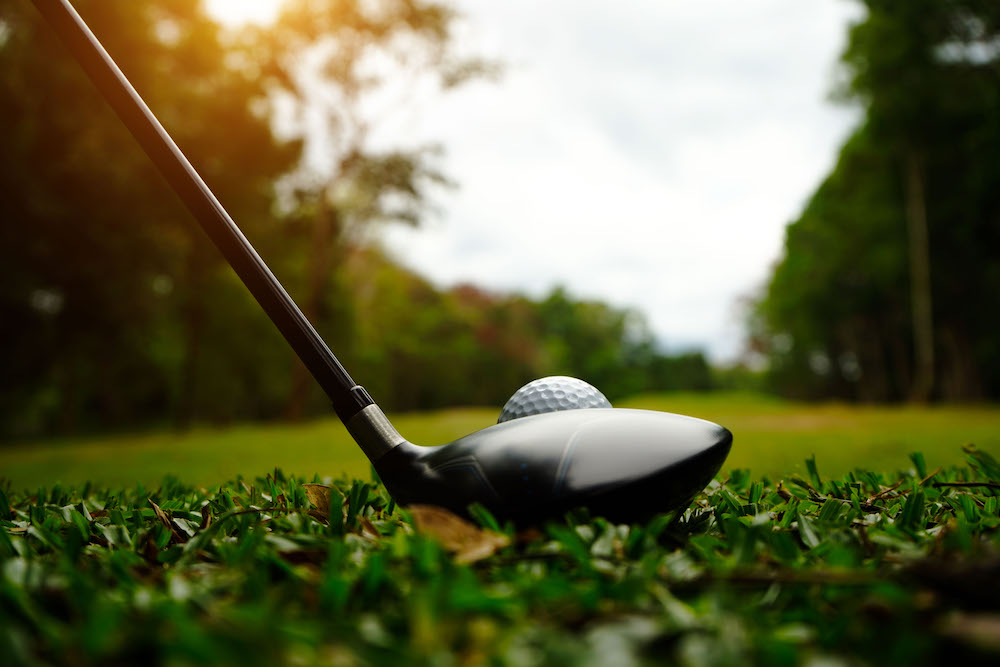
x: 206, y: 517
x: 368, y: 527
x: 160, y: 514
x: 98, y: 514
x: 165, y: 520
x: 468, y: 542
x: 319, y: 516
x: 319, y: 497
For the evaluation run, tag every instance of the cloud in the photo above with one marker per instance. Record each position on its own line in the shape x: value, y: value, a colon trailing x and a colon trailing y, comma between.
x: 645, y: 153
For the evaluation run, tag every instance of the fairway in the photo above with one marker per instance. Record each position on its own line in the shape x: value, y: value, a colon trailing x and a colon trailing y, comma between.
x: 772, y: 438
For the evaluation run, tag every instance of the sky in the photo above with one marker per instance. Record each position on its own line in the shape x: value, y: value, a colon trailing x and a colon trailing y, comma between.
x: 648, y: 154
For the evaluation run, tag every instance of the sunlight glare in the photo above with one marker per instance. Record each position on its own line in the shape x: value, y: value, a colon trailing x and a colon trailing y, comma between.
x: 237, y: 12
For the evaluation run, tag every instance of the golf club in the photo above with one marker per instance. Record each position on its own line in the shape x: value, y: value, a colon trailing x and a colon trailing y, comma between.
x: 619, y: 463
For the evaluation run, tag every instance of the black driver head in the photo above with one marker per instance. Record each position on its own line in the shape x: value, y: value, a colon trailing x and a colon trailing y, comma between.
x: 624, y: 465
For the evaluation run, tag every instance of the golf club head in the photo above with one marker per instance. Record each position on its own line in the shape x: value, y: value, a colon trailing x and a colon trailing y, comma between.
x: 622, y: 464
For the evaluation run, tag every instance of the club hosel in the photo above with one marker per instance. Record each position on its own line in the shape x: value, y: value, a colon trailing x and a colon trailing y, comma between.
x: 347, y: 402
x: 373, y: 432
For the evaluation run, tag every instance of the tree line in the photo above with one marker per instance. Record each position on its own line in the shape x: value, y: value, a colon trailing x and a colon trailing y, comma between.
x: 888, y: 286
x: 115, y: 311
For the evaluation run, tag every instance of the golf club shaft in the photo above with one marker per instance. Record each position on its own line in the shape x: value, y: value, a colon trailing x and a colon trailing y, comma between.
x: 347, y: 397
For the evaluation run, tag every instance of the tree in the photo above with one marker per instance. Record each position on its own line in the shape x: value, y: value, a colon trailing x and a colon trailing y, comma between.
x: 328, y: 59
x: 834, y: 308
x: 104, y: 301
x: 97, y: 254
x: 884, y: 289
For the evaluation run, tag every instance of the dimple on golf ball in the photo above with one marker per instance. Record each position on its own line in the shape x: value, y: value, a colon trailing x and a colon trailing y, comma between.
x: 552, y: 394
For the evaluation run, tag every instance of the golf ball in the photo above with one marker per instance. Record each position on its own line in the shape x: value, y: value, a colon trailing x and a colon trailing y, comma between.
x: 552, y: 394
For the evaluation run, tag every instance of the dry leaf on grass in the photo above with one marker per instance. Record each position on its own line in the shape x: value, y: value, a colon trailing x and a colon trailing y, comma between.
x: 319, y: 497
x: 206, y: 517
x: 468, y: 542
x: 161, y: 515
x: 165, y: 520
x: 368, y: 528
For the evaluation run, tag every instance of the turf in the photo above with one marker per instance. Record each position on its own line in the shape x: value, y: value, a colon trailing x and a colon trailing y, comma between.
x: 772, y: 438
x: 865, y: 569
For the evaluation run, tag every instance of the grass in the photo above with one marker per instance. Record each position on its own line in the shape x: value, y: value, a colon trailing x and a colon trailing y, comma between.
x: 772, y: 438
x: 864, y: 569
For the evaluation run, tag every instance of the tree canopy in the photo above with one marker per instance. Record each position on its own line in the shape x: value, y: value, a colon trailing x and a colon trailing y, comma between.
x: 887, y: 288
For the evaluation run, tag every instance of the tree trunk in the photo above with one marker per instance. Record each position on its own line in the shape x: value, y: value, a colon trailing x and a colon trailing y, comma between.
x: 894, y: 332
x: 960, y: 379
x: 193, y: 322
x: 69, y: 397
x: 872, y: 386
x: 326, y: 229
x: 920, y: 280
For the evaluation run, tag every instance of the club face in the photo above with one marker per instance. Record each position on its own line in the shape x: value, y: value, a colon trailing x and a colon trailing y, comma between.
x: 621, y: 464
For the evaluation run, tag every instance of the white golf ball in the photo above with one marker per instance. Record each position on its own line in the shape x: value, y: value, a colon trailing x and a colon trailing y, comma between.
x: 552, y: 394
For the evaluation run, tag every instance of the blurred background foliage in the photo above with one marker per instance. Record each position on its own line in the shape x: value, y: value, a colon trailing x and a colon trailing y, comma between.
x: 888, y: 288
x: 116, y: 312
